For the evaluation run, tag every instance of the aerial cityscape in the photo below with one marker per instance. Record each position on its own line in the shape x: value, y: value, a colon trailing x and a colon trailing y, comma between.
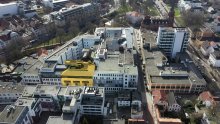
x: 109, y: 61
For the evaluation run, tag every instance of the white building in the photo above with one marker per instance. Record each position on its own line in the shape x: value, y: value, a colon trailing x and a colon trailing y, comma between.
x: 55, y: 4
x: 189, y: 4
x: 207, y: 48
x: 54, y: 64
x: 32, y: 104
x: 118, y: 68
x: 172, y: 40
x: 214, y: 59
x: 10, y: 92
x: 15, y: 115
x: 48, y: 97
x: 31, y: 74
x: 93, y: 100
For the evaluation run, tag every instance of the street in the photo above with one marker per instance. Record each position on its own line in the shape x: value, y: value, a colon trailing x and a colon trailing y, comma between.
x: 141, y: 81
x: 163, y: 9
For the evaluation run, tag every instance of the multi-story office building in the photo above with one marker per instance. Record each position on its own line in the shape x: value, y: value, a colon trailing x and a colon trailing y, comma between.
x: 15, y: 115
x: 161, y: 74
x: 87, y: 11
x: 33, y: 105
x: 54, y: 64
x: 47, y: 95
x: 31, y: 74
x: 72, y: 101
x: 172, y: 40
x: 92, y: 101
x: 55, y: 4
x: 10, y: 92
x: 114, y: 60
x: 78, y: 73
x: 178, y: 77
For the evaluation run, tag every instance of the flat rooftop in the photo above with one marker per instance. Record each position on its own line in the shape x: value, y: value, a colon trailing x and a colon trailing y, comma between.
x: 156, y: 68
x: 34, y: 68
x: 167, y: 80
x: 62, y: 91
x: 28, y: 91
x: 24, y: 64
x: 63, y: 119
x: 71, y: 89
x: 47, y: 89
x: 22, y: 101
x: 112, y: 64
x: 10, y: 87
x: 93, y: 96
x: 126, y: 57
x: 12, y: 116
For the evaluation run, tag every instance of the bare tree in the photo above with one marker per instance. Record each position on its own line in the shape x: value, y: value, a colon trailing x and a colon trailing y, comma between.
x: 193, y: 20
x: 59, y: 33
x: 74, y: 28
x: 13, y: 50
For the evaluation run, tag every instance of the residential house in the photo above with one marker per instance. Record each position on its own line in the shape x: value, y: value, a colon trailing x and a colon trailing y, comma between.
x: 134, y: 18
x: 207, y: 48
x: 185, y: 5
x: 207, y: 98
x: 7, y: 36
x: 167, y: 100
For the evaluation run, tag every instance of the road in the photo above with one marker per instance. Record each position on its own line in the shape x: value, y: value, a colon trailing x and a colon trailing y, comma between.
x: 114, y: 8
x: 141, y: 81
x: 163, y: 9
x: 205, y: 69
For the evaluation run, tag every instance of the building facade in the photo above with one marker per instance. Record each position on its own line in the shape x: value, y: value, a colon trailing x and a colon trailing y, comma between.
x: 172, y: 40
x: 10, y: 92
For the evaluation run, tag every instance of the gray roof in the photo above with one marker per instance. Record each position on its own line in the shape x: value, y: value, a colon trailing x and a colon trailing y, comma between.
x: 111, y: 65
x: 34, y: 68
x: 24, y: 64
x: 47, y: 89
x: 64, y: 119
x: 9, y: 87
x: 205, y: 45
x: 28, y: 91
x: 171, y: 98
x: 62, y: 91
x: 24, y: 101
x: 165, y: 80
x: 216, y: 54
x: 179, y: 73
x: 15, y: 114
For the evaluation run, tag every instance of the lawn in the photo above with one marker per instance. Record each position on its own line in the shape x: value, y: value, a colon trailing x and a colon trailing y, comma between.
x: 177, y: 12
x: 124, y: 9
x: 176, y: 9
x: 180, y: 22
x: 152, y: 11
